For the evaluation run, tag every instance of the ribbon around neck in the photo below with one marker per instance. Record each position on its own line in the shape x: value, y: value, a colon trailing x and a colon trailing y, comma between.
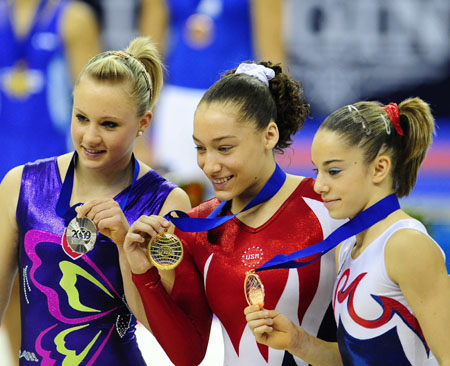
x: 359, y: 223
x: 63, y: 208
x: 197, y: 224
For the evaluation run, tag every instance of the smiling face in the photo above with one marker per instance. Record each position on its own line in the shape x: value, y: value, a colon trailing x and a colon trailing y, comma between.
x: 235, y: 156
x: 343, y: 180
x: 104, y: 124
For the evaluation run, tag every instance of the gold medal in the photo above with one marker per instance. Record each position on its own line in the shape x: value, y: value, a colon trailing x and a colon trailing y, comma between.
x: 165, y: 251
x: 253, y: 289
x: 17, y: 81
x: 81, y: 234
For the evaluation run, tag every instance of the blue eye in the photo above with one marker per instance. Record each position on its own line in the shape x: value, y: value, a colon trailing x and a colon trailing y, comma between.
x: 334, y: 171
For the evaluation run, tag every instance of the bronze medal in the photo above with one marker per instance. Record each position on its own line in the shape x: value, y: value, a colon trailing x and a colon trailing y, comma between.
x: 165, y: 251
x: 253, y: 289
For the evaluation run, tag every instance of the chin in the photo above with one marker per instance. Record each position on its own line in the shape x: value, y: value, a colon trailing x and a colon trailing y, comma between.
x: 338, y: 215
x: 223, y: 195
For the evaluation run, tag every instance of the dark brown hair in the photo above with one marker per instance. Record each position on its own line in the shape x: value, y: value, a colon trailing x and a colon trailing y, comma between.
x: 282, y: 101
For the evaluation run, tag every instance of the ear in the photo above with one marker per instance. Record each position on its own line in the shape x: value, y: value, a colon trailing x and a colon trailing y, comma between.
x: 271, y: 136
x: 145, y: 121
x: 381, y: 168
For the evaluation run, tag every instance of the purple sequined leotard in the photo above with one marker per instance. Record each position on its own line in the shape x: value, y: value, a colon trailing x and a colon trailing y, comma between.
x: 72, y: 310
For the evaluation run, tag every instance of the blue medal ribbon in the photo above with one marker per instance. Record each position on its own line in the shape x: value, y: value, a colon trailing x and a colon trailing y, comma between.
x: 63, y: 208
x: 359, y: 223
x: 197, y: 224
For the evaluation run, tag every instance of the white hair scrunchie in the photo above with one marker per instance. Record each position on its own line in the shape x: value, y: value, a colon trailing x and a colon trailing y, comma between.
x: 259, y: 71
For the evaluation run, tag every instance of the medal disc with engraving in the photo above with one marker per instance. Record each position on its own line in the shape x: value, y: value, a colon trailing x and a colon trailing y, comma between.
x: 165, y: 251
x: 81, y: 234
x: 253, y: 289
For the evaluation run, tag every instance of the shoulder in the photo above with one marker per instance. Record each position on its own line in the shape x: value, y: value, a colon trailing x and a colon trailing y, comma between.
x: 176, y: 200
x: 150, y: 180
x: 40, y: 166
x: 13, y: 177
x: 305, y: 186
x: 10, y: 188
x: 204, y: 208
x: 410, y: 252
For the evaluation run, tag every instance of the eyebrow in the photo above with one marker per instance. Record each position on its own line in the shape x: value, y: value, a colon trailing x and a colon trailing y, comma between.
x: 104, y: 118
x: 217, y: 139
x: 328, y: 162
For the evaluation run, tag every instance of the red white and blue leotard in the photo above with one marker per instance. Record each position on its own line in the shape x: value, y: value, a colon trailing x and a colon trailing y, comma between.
x: 376, y: 325
x: 210, y: 279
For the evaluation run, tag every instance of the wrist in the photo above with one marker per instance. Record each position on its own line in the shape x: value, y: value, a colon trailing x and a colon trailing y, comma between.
x: 297, y: 339
x: 149, y: 278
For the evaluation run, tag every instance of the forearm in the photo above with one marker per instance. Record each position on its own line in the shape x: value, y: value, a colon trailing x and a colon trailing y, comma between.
x: 268, y: 36
x: 315, y: 351
x: 173, y: 329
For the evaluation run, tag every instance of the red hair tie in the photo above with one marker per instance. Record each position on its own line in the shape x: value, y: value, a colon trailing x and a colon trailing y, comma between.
x: 394, y: 115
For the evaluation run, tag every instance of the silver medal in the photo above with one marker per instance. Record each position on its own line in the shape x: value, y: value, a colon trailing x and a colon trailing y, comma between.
x: 81, y: 234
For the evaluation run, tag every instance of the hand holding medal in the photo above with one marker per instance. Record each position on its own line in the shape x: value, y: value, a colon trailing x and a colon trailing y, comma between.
x: 80, y: 234
x: 148, y: 242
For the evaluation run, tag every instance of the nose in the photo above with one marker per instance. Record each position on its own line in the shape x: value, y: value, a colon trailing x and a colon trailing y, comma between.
x: 208, y: 162
x: 320, y: 185
x: 91, y: 135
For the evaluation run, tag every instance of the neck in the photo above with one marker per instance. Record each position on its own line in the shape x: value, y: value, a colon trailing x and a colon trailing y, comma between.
x: 106, y: 182
x: 23, y: 11
x: 239, y: 202
x: 362, y: 235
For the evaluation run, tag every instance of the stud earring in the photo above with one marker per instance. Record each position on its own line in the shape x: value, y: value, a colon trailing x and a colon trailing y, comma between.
x: 140, y: 133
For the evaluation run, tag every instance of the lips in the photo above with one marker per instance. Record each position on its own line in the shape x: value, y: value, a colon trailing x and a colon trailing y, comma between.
x: 221, y: 180
x: 92, y: 152
x: 329, y: 203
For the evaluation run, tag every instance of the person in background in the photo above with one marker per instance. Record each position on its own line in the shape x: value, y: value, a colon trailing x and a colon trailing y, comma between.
x: 200, y: 40
x: 392, y: 293
x: 44, y: 45
x: 73, y: 304
x: 241, y: 121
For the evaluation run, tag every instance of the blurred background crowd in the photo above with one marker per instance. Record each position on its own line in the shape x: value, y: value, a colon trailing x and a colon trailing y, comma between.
x: 341, y: 50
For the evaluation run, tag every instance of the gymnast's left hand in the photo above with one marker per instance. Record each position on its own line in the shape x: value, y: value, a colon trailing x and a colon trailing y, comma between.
x: 107, y: 216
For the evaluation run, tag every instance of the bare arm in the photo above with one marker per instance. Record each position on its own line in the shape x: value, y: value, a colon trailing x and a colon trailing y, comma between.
x: 9, y: 195
x: 415, y: 262
x: 267, y: 18
x: 154, y: 20
x: 81, y: 36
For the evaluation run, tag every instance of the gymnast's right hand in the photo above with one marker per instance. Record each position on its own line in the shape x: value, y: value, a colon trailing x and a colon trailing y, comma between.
x: 137, y: 239
x: 271, y: 328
